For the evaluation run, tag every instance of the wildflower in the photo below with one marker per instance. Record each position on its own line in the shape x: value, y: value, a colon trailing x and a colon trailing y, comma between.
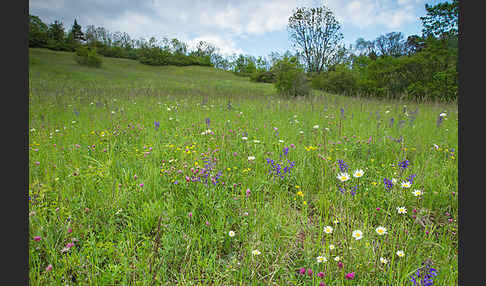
x: 331, y: 247
x: 328, y: 229
x: 49, y: 268
x: 417, y: 193
x: 256, y: 141
x: 358, y: 234
x: 400, y: 253
x: 350, y: 275
x: 383, y: 260
x: 316, y: 127
x: 381, y: 230
x: 37, y: 238
x: 190, y: 215
x: 406, y: 184
x: 337, y: 258
x: 309, y: 272
x: 244, y: 138
x: 251, y: 158
x: 443, y: 114
x: 302, y: 271
x: 401, y: 210
x: 321, y: 259
x: 256, y: 252
x: 322, y: 283
x: 342, y: 166
x: 231, y: 233
x: 340, y: 264
x: 248, y: 192
x: 424, y: 275
x: 343, y: 177
x: 358, y: 173
x: 208, y: 223
x: 320, y: 274
x: 404, y: 164
x: 300, y: 194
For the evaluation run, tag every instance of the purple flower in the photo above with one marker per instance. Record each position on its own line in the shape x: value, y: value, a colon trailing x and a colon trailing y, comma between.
x: 248, y: 192
x: 350, y: 275
x: 309, y: 272
x: 388, y: 183
x: 322, y: 284
x: 37, y: 238
x: 157, y: 125
x: 404, y: 164
x: 320, y: 274
x: 342, y: 166
x: 302, y: 271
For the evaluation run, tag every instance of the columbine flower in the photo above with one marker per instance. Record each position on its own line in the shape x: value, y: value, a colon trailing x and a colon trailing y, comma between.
x: 256, y: 252
x: 358, y: 234
x: 321, y: 259
x: 417, y: 193
x: 343, y: 177
x: 401, y: 210
x: 231, y: 233
x: 400, y: 253
x: 380, y: 230
x: 406, y: 184
x: 383, y: 260
x: 358, y: 173
x: 328, y: 229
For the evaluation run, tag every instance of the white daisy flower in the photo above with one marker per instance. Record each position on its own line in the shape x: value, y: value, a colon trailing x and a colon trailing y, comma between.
x: 400, y: 253
x: 406, y: 184
x: 358, y: 173
x: 231, y: 233
x: 380, y: 230
x: 337, y: 258
x: 244, y: 138
x: 343, y: 177
x: 331, y: 247
x: 401, y: 210
x: 321, y: 259
x: 358, y: 234
x: 316, y: 127
x: 417, y: 193
x: 251, y: 158
x: 256, y: 252
x: 383, y: 260
x: 328, y: 229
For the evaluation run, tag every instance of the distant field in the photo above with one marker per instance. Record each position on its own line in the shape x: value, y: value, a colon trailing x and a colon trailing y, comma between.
x: 246, y: 184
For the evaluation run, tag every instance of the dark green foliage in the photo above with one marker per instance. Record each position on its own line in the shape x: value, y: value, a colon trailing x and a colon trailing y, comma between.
x: 338, y: 80
x: 87, y: 57
x: 244, y: 65
x: 441, y: 20
x: 37, y: 32
x: 264, y: 76
x: 290, y: 78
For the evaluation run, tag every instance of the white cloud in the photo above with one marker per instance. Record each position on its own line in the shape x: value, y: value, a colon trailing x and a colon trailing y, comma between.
x: 226, y: 46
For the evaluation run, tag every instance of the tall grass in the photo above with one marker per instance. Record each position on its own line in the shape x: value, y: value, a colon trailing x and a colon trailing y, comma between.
x: 145, y: 171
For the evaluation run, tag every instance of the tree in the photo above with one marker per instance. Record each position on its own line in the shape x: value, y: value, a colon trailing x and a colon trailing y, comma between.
x: 441, y: 20
x: 391, y: 44
x: 56, y: 32
x: 315, y: 33
x: 37, y: 32
x: 290, y: 78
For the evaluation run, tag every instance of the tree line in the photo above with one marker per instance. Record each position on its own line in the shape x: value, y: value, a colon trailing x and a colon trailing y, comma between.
x: 420, y: 67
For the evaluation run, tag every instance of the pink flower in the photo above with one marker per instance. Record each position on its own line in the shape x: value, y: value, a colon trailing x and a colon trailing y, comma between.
x: 302, y: 271
x: 248, y: 192
x: 309, y: 272
x: 350, y: 275
x: 190, y: 215
x: 49, y: 268
x: 340, y: 264
x: 141, y: 185
x: 37, y: 238
x: 70, y: 230
x: 320, y: 274
x: 207, y: 223
x: 378, y: 208
x: 322, y: 284
x: 70, y: 244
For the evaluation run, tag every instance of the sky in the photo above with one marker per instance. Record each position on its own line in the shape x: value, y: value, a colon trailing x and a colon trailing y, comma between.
x: 250, y: 27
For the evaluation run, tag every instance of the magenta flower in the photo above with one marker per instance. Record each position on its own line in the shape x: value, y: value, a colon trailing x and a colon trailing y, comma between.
x: 141, y: 185
x: 302, y: 271
x: 340, y: 264
x: 70, y: 230
x: 320, y: 274
x: 207, y: 223
x: 350, y: 275
x: 309, y: 272
x: 248, y: 192
x: 70, y: 244
x: 49, y: 268
x: 190, y: 215
x: 322, y: 284
x: 37, y: 238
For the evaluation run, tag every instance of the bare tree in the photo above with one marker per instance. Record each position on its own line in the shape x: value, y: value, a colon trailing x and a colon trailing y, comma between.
x: 315, y: 33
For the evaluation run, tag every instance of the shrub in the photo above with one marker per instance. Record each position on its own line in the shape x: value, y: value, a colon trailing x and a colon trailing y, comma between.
x: 264, y: 76
x: 290, y: 78
x: 87, y: 57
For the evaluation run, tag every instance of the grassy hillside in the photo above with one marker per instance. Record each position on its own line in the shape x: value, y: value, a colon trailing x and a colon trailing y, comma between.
x: 143, y: 175
x: 122, y: 74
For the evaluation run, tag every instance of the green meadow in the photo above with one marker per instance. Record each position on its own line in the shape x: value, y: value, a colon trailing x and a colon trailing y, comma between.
x: 143, y: 175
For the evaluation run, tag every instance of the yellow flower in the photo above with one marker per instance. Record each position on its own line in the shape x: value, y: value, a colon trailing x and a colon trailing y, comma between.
x: 305, y: 203
x: 299, y: 193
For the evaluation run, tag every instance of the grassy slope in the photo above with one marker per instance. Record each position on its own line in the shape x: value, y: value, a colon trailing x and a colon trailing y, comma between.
x: 125, y: 73
x: 116, y: 246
